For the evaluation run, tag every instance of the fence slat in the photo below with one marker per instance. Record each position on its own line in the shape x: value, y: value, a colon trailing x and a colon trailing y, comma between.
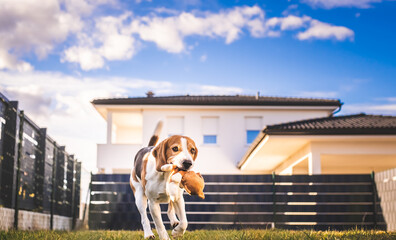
x: 237, y: 201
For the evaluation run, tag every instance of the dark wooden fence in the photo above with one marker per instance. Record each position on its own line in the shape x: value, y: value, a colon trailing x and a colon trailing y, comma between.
x: 251, y: 201
x: 36, y: 174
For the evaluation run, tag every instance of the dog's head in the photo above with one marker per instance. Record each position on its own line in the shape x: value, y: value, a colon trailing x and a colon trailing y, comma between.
x: 177, y: 150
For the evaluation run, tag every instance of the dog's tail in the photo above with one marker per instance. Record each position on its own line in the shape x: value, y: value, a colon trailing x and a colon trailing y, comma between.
x: 157, y: 132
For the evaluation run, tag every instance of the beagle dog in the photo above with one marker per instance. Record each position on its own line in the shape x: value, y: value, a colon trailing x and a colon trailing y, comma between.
x: 150, y: 182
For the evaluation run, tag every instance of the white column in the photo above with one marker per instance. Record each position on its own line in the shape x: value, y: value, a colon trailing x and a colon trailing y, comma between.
x: 314, y: 164
x: 109, y: 127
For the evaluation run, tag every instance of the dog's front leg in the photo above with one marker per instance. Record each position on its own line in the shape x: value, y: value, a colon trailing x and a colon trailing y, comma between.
x: 155, y: 211
x: 141, y: 204
x: 172, y: 215
x: 179, y: 206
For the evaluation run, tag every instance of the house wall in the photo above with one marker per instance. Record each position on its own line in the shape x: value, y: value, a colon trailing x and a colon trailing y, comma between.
x: 222, y: 157
x: 116, y: 156
x: 373, y: 155
x: 360, y: 155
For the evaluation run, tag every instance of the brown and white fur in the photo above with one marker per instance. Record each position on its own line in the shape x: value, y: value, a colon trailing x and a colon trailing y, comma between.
x: 150, y: 183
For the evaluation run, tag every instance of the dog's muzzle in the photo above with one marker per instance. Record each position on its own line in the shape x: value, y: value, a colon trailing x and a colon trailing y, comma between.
x: 187, y: 164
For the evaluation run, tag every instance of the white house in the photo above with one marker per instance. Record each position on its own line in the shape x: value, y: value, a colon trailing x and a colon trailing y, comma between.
x: 223, y: 127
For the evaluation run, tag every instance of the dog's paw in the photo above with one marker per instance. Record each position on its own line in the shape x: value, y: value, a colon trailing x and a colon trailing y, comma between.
x: 167, y: 168
x: 176, y: 234
x: 178, y: 231
x: 150, y: 237
x: 177, y: 178
x: 174, y: 224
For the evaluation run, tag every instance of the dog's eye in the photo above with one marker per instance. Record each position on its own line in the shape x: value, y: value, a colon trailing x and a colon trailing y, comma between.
x: 175, y: 149
x: 192, y: 150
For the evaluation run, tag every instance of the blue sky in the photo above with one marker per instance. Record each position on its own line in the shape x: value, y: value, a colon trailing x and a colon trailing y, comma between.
x: 58, y: 55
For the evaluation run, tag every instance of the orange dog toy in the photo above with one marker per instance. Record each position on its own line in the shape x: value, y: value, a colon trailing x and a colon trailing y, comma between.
x: 192, y: 182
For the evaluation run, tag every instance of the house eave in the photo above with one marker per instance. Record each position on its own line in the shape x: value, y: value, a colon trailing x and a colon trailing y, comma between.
x: 333, y: 132
x: 265, y: 137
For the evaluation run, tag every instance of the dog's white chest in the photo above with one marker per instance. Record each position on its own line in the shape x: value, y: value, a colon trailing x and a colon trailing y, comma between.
x: 156, y: 188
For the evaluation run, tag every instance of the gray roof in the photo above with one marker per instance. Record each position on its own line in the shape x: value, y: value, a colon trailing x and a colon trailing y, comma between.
x: 235, y: 100
x: 350, y: 124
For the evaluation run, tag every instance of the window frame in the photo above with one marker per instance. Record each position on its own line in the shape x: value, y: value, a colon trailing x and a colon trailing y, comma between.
x: 210, y: 134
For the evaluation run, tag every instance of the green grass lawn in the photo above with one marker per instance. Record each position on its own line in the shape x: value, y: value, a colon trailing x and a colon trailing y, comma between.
x: 201, y: 234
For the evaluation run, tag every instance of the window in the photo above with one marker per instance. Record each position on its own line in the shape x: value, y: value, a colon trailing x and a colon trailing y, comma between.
x: 253, y: 127
x: 251, y: 135
x: 210, y: 139
x: 210, y: 129
x: 175, y: 125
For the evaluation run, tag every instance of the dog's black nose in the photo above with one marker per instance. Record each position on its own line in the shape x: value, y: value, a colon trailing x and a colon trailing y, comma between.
x: 187, y: 164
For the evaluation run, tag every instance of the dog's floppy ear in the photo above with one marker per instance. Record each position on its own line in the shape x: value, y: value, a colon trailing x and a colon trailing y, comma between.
x: 159, y: 153
x: 191, y: 142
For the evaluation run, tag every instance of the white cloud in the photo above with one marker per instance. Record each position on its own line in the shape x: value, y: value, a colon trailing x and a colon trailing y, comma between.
x: 29, y: 25
x: 38, y: 26
x: 381, y: 109
x: 340, y: 3
x: 291, y: 10
x: 101, y: 39
x: 61, y: 103
x: 168, y: 33
x: 140, y: 1
x: 321, y: 30
x: 272, y: 33
x: 290, y: 22
x: 203, y: 58
x: 114, y: 37
x: 87, y: 58
x: 166, y: 11
x: 314, y: 29
x: 8, y: 61
x: 109, y: 41
x: 33, y: 99
x: 382, y: 106
x: 387, y: 108
x: 318, y: 94
x: 215, y: 90
x: 85, y: 7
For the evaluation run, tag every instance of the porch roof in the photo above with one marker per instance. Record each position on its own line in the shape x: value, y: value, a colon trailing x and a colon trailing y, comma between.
x: 277, y: 142
x: 349, y: 124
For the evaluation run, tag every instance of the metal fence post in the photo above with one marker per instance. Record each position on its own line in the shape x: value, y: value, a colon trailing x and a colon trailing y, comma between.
x: 40, y: 172
x: 73, y: 203
x: 274, y: 200
x: 86, y: 199
x: 18, y: 170
x: 77, y: 193
x: 52, y: 205
x: 374, y: 200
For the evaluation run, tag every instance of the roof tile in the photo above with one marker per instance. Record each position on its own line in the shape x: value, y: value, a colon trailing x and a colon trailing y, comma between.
x: 226, y: 100
x: 349, y: 124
